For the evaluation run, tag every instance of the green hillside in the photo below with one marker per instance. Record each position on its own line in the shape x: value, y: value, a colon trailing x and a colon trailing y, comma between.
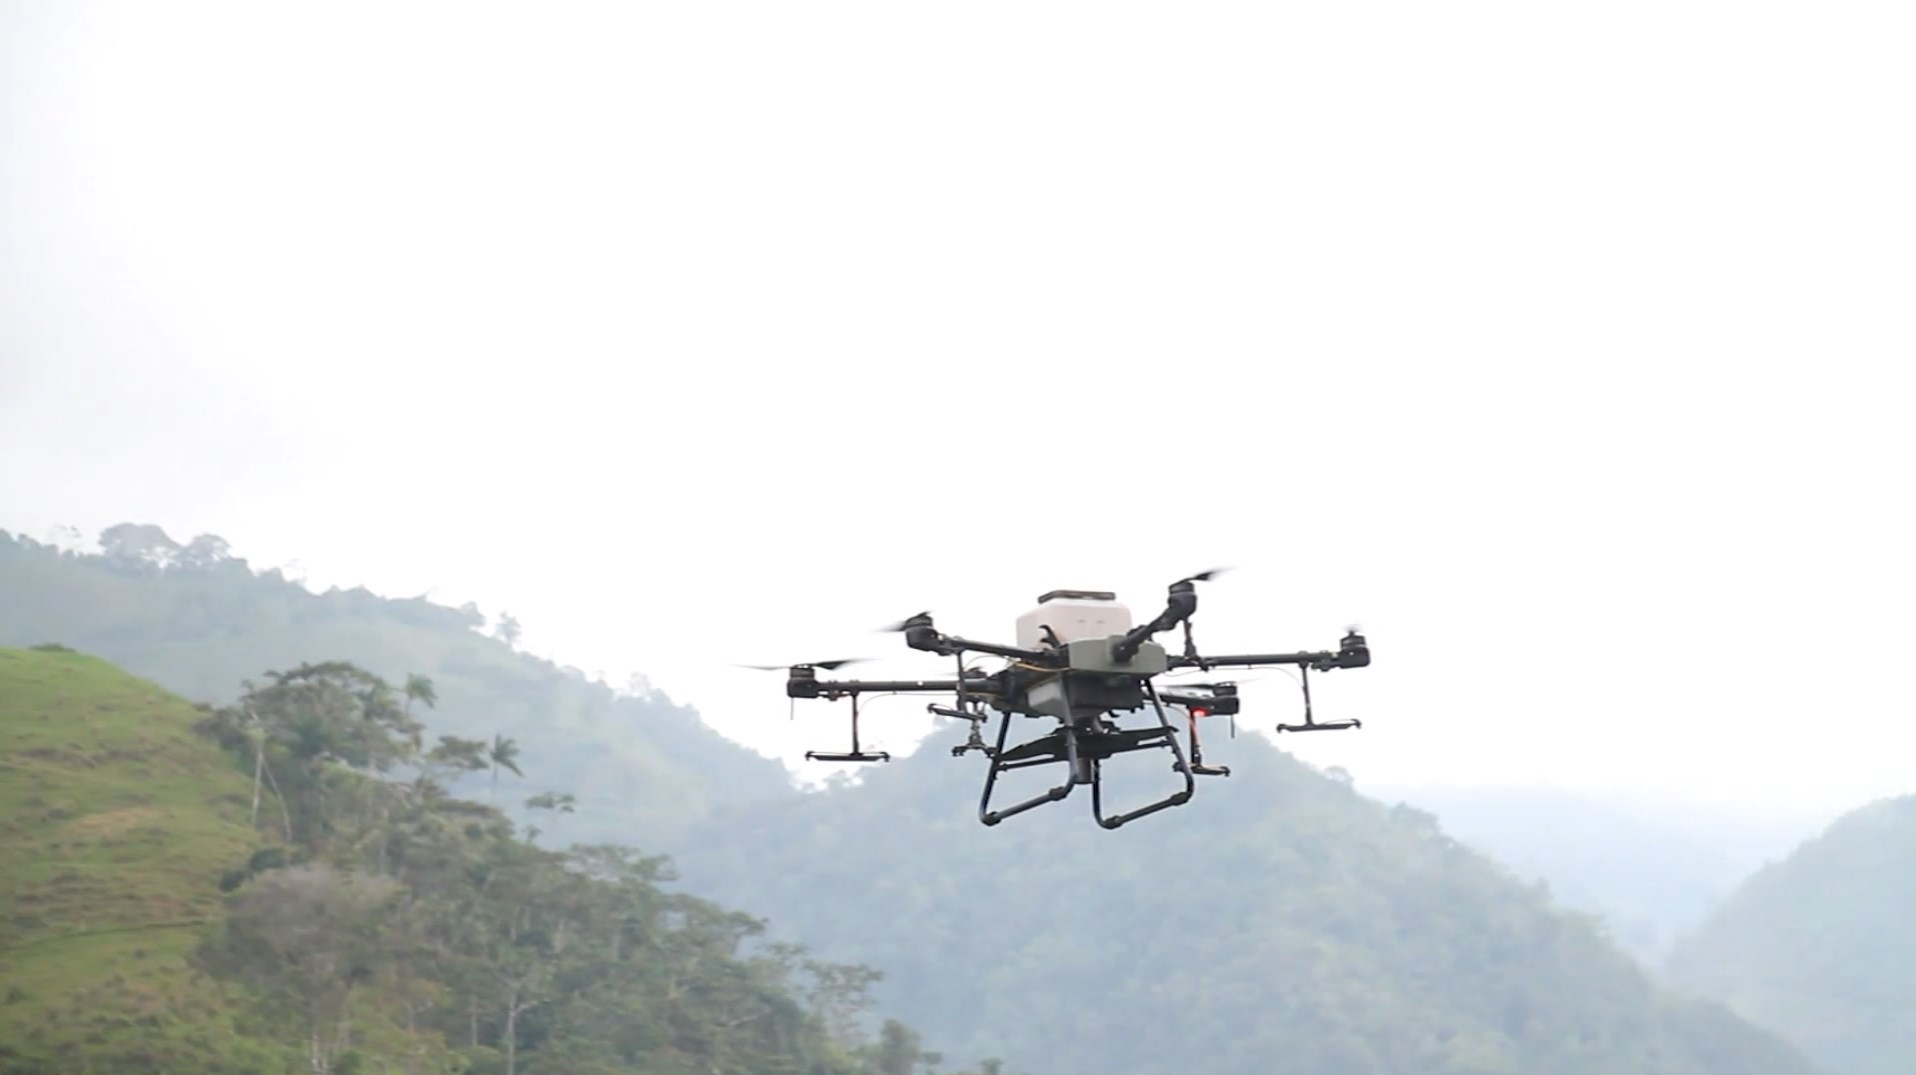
x: 363, y: 920
x: 119, y: 821
x: 1280, y: 918
x: 1821, y: 947
x: 199, y: 621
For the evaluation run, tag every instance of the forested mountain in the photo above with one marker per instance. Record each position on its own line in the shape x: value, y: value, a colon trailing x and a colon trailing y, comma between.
x: 283, y: 885
x: 1821, y: 945
x: 1279, y: 918
x: 199, y: 621
x: 1651, y: 869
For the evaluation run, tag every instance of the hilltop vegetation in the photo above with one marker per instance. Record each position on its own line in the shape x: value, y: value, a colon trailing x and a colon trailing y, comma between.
x: 198, y: 620
x: 284, y: 884
x: 1820, y: 947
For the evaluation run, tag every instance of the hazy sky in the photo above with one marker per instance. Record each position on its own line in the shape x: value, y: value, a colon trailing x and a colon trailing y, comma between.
x: 1562, y: 346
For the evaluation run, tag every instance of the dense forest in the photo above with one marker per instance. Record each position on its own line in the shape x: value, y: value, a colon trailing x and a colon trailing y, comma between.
x: 1283, y: 915
x: 369, y: 921
x: 1821, y: 947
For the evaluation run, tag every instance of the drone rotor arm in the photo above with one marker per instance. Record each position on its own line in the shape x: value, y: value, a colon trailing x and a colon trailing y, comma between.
x: 1353, y: 652
x: 809, y: 687
x: 1179, y: 607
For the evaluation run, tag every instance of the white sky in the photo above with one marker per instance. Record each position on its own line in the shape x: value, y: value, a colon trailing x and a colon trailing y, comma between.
x: 1562, y: 346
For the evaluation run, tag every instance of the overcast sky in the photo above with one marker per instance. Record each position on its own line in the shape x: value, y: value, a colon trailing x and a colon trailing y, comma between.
x: 1563, y: 347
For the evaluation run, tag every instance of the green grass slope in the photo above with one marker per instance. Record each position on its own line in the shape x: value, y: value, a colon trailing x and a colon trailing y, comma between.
x: 645, y: 766
x: 116, y: 822
x: 1821, y: 946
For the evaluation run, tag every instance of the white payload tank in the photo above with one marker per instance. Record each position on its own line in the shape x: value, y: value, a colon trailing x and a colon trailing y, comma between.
x: 1073, y: 615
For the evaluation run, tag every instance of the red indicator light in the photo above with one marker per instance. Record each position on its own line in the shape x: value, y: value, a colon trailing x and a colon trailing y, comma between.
x: 1200, y: 712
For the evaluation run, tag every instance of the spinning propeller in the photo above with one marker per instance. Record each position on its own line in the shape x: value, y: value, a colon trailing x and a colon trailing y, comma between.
x: 922, y: 619
x: 804, y: 670
x: 826, y: 665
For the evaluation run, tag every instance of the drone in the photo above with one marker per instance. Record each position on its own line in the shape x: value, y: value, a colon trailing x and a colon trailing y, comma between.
x: 1078, y: 661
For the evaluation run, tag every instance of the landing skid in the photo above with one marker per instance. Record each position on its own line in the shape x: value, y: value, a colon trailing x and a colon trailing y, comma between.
x: 1083, y: 745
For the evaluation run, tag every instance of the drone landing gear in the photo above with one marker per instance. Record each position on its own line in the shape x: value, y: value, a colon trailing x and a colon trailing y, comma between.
x: 856, y: 754
x: 1083, y: 745
x: 1310, y: 724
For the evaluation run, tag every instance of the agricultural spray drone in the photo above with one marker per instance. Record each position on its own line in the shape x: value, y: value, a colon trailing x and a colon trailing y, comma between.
x: 1080, y: 662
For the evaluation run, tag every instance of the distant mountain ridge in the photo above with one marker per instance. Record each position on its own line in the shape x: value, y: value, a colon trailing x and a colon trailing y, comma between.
x: 1653, y: 870
x: 1821, y: 945
x: 1280, y: 918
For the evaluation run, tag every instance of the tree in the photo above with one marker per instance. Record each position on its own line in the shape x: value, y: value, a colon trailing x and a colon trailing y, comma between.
x: 205, y: 551
x: 899, y: 1049
x: 504, y: 754
x: 303, y: 939
x: 508, y: 629
x: 140, y: 545
x: 420, y: 689
x: 557, y: 803
x: 306, y: 728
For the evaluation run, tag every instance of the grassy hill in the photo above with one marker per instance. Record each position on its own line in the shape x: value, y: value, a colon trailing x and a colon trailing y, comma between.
x: 199, y: 621
x: 1821, y: 945
x: 119, y: 822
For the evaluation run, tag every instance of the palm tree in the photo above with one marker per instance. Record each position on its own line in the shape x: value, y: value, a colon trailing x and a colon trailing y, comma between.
x: 502, y: 754
x: 419, y: 689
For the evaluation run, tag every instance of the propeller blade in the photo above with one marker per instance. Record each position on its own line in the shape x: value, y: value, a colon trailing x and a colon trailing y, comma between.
x: 1206, y: 576
x: 904, y: 624
x: 826, y: 665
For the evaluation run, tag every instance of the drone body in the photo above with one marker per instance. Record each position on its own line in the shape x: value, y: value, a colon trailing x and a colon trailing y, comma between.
x: 1080, y: 661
